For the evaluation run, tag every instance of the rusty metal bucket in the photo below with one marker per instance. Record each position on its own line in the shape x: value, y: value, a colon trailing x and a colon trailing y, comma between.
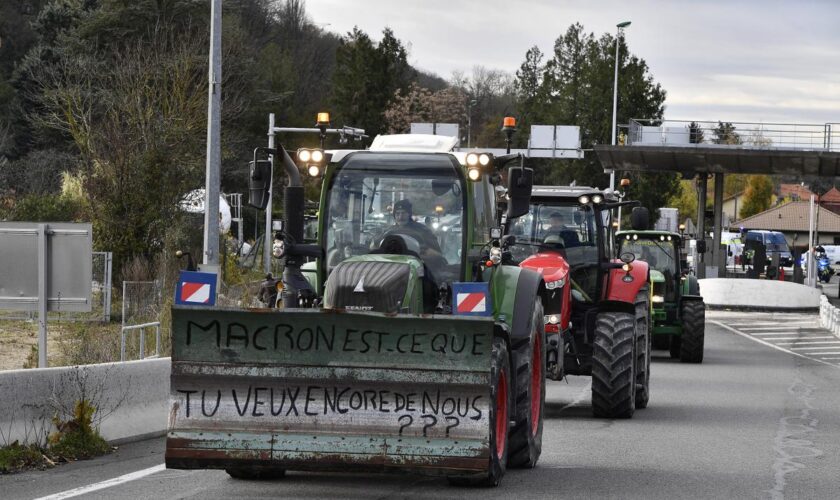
x: 329, y: 390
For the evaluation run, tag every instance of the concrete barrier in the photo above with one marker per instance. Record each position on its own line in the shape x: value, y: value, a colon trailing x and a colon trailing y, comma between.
x: 131, y: 398
x: 770, y: 295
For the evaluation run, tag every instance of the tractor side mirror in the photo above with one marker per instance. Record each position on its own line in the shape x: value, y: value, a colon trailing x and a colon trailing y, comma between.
x: 259, y: 182
x: 640, y: 219
x: 520, y: 182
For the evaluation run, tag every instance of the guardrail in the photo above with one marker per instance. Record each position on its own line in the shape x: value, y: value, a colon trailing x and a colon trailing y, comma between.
x: 829, y: 316
x: 798, y: 136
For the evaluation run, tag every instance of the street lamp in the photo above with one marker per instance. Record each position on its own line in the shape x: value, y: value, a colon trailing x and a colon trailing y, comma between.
x: 472, y: 103
x: 619, y: 26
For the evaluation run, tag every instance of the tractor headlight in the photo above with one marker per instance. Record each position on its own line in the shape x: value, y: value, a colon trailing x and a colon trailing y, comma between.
x: 657, y: 299
x: 313, y: 170
x: 495, y: 255
x: 484, y: 159
x: 551, y: 285
x: 278, y: 249
x: 551, y: 319
x: 304, y: 155
x: 626, y: 268
x: 474, y: 173
x: 584, y: 199
x: 597, y: 198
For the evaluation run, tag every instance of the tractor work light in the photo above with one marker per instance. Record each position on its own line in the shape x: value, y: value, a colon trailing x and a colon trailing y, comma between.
x: 597, y: 198
x: 626, y: 268
x: 551, y: 285
x: 473, y: 173
x: 475, y: 159
x: 313, y: 170
x: 584, y: 199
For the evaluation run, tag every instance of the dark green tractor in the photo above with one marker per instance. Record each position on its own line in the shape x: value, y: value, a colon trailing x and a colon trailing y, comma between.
x: 678, y: 313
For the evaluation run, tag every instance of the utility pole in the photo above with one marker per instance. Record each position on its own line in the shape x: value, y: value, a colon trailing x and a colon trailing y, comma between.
x: 619, y: 28
x: 213, y: 173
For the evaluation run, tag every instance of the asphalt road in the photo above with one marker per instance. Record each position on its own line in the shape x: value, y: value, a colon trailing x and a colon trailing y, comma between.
x: 760, y: 418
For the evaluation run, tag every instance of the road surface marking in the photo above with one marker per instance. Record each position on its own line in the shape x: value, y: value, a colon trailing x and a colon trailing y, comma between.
x: 802, y: 337
x: 813, y: 348
x: 772, y: 346
x: 106, y: 484
x: 769, y: 334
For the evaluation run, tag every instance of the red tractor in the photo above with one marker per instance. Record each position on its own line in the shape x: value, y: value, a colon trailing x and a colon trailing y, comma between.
x: 597, y: 304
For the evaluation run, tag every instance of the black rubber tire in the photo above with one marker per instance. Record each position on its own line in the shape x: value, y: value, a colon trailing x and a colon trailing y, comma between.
x: 499, y: 369
x: 613, y: 366
x: 643, y: 348
x: 661, y: 342
x: 676, y: 343
x: 525, y: 444
x: 255, y: 474
x: 694, y: 331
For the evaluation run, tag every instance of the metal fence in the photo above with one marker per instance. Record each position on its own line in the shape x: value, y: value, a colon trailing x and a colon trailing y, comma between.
x: 799, y: 136
x: 101, y: 286
x: 141, y: 311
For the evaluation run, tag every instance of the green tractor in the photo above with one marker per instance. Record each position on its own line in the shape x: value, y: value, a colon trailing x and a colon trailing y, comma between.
x: 678, y: 314
x: 402, y: 343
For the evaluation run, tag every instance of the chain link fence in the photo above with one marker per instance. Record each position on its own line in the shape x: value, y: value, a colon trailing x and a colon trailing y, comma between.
x: 142, y: 307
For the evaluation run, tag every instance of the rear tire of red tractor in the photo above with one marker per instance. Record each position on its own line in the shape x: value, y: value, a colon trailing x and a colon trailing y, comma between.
x: 255, y: 474
x: 499, y: 422
x: 614, y: 366
x: 694, y: 327
x: 529, y: 396
x: 643, y: 348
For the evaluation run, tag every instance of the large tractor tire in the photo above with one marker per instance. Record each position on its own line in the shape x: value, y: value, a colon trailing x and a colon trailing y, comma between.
x: 643, y: 348
x: 694, y: 331
x: 500, y: 414
x: 613, y: 366
x: 255, y: 474
x: 529, y: 394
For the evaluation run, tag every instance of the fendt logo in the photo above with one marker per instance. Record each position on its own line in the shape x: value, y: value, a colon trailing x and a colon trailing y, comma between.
x: 360, y: 286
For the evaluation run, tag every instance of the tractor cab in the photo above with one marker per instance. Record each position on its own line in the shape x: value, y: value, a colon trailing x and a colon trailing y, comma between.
x: 661, y: 250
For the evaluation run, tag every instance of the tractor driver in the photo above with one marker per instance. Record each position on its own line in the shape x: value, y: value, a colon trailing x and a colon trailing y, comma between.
x: 405, y: 224
x: 557, y: 227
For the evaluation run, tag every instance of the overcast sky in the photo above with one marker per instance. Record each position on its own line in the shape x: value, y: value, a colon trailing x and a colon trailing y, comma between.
x: 739, y: 61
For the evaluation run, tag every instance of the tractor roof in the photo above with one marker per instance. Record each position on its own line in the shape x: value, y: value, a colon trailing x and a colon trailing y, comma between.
x: 649, y: 233
x: 568, y: 192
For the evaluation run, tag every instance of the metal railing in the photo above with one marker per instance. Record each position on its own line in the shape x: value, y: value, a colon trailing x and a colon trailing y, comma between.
x: 797, y: 136
x: 829, y: 316
x: 142, y: 329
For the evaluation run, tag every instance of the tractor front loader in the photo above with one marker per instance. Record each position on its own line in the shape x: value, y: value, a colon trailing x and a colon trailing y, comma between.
x: 403, y: 342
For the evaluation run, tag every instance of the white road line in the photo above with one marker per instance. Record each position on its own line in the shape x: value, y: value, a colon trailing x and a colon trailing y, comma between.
x: 819, y: 342
x: 802, y: 324
x: 799, y: 338
x: 772, y: 346
x: 105, y: 484
x: 830, y: 358
x: 812, y: 348
x: 768, y: 328
x: 769, y: 334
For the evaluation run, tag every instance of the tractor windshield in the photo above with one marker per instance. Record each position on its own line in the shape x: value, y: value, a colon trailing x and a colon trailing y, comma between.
x: 415, y: 199
x: 657, y: 250
x: 568, y: 228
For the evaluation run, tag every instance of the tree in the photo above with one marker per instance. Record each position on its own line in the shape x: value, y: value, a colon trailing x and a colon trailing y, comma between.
x: 695, y: 133
x: 366, y: 78
x: 576, y: 87
x: 758, y: 195
x: 725, y: 134
x: 685, y: 201
x: 419, y: 104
